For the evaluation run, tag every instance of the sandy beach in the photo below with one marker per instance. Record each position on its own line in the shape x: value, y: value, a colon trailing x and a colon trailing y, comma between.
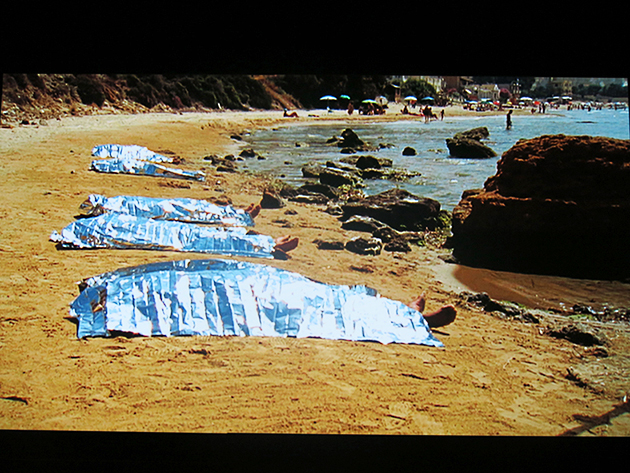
x: 494, y: 376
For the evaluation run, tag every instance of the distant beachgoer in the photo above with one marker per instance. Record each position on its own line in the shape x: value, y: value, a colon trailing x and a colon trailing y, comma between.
x: 350, y: 108
x: 441, y: 115
x: 290, y: 115
x: 508, y: 120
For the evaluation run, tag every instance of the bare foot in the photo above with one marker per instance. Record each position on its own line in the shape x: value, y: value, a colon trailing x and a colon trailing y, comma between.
x: 286, y: 243
x: 418, y: 303
x: 442, y: 317
x: 253, y: 210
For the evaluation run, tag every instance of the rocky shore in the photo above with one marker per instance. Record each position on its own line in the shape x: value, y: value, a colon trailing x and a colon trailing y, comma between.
x: 509, y: 367
x: 557, y: 205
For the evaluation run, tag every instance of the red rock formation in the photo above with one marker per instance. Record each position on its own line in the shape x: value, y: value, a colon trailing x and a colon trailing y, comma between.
x: 557, y: 205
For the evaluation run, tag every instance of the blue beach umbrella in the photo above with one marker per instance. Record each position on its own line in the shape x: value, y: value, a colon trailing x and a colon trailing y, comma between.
x: 345, y: 97
x: 427, y: 99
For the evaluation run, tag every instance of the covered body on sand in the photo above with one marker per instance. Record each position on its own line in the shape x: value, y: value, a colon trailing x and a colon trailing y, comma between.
x: 223, y: 297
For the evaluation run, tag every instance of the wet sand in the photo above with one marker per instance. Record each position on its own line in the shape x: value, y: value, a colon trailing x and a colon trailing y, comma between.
x: 494, y: 376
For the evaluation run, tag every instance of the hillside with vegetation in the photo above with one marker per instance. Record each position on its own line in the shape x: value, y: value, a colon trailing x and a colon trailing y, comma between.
x: 29, y: 98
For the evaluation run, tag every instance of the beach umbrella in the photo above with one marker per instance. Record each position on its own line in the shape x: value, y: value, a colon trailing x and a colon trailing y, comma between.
x: 411, y: 97
x: 525, y: 99
x: 369, y: 101
x: 427, y: 98
x: 345, y: 97
x: 328, y: 98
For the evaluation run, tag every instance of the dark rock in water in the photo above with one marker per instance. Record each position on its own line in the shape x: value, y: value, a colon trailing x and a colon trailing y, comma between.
x: 324, y: 189
x: 362, y: 224
x: 248, y: 153
x: 478, y: 134
x: 348, y: 151
x: 312, y: 170
x: 349, y: 139
x: 383, y: 162
x: 368, y: 162
x: 337, y: 177
x: 365, y: 246
x: 271, y: 201
x: 340, y: 165
x: 558, y: 205
x: 397, y: 208
x: 468, y: 148
x: 409, y: 151
x: 236, y: 137
x: 329, y: 244
x: 373, y: 174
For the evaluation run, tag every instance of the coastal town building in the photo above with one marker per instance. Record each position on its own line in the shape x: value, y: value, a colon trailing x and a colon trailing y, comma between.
x: 437, y: 82
x: 457, y: 82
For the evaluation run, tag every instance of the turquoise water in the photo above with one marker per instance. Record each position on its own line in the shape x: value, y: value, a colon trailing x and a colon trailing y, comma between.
x: 443, y: 178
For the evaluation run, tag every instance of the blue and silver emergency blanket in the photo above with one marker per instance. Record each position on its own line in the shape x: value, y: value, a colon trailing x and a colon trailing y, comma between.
x: 133, y: 159
x: 144, y: 168
x: 222, y: 297
x: 129, y: 152
x: 129, y: 232
x: 182, y: 210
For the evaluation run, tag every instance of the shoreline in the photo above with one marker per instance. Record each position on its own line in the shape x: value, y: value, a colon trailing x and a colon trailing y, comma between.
x: 495, y: 376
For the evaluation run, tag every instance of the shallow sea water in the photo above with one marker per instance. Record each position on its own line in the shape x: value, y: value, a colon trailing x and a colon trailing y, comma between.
x: 288, y: 147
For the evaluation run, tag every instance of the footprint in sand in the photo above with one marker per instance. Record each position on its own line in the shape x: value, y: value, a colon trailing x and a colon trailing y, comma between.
x: 345, y: 389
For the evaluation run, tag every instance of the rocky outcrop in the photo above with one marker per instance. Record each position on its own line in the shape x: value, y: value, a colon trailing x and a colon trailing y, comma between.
x: 557, y: 205
x: 467, y: 144
x: 468, y: 148
x: 397, y: 208
x: 478, y: 134
x: 365, y: 246
x: 351, y: 171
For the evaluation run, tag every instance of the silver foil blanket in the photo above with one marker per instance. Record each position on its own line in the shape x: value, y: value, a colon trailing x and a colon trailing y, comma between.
x: 222, y: 297
x: 129, y: 152
x: 112, y: 230
x: 182, y: 210
x: 132, y: 159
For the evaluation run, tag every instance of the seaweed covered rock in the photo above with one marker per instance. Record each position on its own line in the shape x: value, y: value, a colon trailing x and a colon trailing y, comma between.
x: 557, y: 205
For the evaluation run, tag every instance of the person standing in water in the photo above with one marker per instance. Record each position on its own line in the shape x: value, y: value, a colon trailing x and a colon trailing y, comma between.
x: 508, y: 118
